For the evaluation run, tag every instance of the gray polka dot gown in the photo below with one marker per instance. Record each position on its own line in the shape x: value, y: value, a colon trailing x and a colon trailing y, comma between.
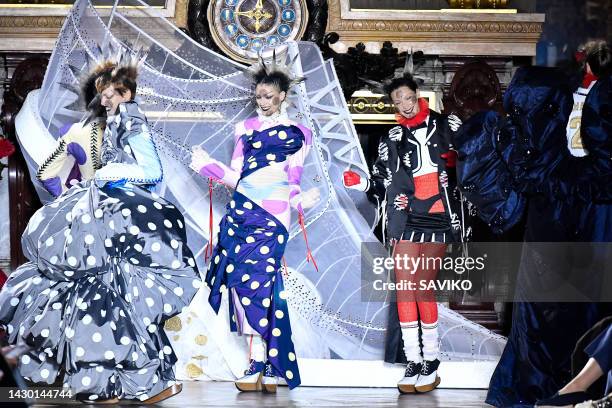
x: 107, y: 267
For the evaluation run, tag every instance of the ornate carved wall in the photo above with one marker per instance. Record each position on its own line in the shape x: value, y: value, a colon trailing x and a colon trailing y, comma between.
x: 470, y: 32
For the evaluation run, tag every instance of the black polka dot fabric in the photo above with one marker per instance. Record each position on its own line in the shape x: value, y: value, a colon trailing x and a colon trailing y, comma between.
x: 107, y: 268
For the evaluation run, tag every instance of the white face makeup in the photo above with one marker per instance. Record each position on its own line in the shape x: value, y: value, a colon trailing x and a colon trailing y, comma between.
x: 405, y: 101
x: 269, y: 98
x: 111, y: 99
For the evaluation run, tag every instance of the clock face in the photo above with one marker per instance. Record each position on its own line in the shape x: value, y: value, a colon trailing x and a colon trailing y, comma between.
x: 244, y: 28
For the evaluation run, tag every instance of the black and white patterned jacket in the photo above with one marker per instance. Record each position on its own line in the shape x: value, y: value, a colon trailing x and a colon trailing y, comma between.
x: 392, y: 183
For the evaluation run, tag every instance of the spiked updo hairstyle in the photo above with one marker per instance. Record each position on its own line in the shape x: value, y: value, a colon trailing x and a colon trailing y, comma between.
x: 404, y: 80
x: 276, y: 73
x: 122, y: 77
x: 89, y: 95
x: 277, y: 79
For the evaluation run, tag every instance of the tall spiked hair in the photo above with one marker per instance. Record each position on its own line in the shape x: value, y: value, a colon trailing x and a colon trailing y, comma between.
x: 409, y: 75
x: 113, y: 65
x: 276, y: 72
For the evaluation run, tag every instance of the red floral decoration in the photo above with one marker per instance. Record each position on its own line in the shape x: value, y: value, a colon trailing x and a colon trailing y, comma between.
x: 6, y: 147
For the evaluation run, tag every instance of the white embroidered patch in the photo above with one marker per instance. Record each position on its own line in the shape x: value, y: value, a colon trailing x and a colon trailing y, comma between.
x: 395, y: 134
x: 406, y: 160
x: 454, y: 122
x: 383, y: 151
x: 400, y: 202
x: 388, y: 179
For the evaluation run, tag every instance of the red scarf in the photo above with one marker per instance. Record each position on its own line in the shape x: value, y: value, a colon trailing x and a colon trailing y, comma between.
x: 418, y: 118
x: 587, y: 79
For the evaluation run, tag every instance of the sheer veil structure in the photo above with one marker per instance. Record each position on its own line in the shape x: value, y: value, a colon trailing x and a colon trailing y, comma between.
x: 193, y: 96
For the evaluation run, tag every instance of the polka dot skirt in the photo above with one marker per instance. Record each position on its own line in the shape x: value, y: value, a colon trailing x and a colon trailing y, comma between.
x: 247, y: 260
x: 107, y: 268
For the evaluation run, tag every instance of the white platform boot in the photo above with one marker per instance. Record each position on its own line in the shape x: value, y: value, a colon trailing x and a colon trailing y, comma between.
x: 410, y: 337
x: 428, y: 379
x: 252, y: 377
x: 407, y: 384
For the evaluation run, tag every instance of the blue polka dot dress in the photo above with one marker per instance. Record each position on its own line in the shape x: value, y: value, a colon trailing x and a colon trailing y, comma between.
x: 247, y: 260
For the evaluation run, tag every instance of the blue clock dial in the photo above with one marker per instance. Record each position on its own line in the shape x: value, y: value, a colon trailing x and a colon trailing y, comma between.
x: 244, y: 28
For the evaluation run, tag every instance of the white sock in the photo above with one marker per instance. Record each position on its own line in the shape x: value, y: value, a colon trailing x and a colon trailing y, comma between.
x: 431, y: 342
x: 257, y: 346
x: 410, y: 335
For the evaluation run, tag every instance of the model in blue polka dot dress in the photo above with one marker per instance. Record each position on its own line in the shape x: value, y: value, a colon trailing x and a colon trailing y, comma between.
x: 246, y: 265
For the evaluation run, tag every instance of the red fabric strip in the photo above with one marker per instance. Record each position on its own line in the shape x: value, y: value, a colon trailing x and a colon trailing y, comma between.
x: 309, y: 256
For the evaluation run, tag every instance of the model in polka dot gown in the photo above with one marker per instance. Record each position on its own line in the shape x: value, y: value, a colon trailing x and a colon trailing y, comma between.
x: 108, y: 266
x: 265, y: 171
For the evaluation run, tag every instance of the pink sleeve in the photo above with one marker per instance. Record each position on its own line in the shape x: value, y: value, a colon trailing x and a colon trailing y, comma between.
x: 296, y: 168
x: 221, y: 172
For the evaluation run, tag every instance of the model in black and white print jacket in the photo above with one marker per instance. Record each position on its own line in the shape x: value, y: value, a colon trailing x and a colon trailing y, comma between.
x: 402, y: 156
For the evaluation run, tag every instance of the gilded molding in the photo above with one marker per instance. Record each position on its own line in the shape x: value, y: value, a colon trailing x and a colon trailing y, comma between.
x: 468, y: 4
x: 415, y: 26
x: 35, y: 22
x: 441, y: 27
x: 39, y: 32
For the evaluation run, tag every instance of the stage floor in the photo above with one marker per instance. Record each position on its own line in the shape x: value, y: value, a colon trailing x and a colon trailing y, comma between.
x: 224, y: 394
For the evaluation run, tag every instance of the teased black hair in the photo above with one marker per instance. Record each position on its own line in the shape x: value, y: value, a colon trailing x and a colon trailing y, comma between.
x: 405, y: 80
x: 276, y: 71
x: 89, y: 95
x: 277, y: 79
